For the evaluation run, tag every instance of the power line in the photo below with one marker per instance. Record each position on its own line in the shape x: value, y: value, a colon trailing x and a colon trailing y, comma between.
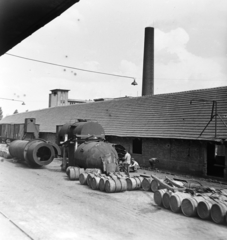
x: 59, y: 65
x: 13, y: 100
x: 104, y: 73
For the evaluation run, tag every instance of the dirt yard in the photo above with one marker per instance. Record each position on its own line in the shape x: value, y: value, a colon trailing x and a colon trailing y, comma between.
x: 43, y: 204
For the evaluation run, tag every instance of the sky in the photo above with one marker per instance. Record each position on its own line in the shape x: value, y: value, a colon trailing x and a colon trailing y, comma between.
x: 108, y: 36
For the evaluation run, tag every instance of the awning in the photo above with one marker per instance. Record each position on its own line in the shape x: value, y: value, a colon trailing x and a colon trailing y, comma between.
x: 21, y: 18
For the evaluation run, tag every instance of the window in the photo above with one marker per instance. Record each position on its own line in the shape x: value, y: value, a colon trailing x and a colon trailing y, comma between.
x: 137, y: 146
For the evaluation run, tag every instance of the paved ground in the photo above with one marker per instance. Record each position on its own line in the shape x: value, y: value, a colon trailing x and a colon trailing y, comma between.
x: 43, y: 204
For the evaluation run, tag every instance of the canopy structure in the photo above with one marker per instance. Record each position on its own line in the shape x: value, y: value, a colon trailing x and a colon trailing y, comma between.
x: 21, y: 18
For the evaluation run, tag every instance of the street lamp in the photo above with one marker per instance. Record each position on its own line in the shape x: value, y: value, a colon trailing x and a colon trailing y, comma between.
x: 134, y: 83
x: 14, y: 100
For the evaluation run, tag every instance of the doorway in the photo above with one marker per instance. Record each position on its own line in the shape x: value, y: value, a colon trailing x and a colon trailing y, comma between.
x: 215, y: 160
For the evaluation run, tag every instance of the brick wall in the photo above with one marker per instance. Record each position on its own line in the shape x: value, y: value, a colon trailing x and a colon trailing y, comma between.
x: 185, y: 156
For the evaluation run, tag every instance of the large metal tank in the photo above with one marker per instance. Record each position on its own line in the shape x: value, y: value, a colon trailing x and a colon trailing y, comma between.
x: 82, y: 130
x: 35, y: 153
x: 96, y: 154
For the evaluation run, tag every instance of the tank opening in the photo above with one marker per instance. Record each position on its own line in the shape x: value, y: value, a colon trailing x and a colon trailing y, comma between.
x: 43, y: 154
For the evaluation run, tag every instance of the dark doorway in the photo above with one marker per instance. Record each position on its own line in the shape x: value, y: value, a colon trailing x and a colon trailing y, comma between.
x: 137, y: 146
x: 215, y: 160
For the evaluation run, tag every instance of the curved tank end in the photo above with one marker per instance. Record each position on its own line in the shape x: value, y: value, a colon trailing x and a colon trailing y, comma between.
x: 35, y: 153
x: 39, y: 154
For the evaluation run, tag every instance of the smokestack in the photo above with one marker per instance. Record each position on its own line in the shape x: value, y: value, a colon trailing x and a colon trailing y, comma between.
x: 148, y: 62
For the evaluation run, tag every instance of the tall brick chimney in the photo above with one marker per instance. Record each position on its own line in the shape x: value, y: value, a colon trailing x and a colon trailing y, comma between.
x: 148, y: 62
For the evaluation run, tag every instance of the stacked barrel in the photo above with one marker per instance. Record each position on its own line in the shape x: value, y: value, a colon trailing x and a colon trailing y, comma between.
x: 115, y: 182
x: 211, y: 205
x: 173, y: 195
x: 112, y: 183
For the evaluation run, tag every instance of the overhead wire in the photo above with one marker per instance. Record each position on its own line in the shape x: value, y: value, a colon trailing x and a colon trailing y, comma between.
x: 99, y: 72
x: 59, y: 65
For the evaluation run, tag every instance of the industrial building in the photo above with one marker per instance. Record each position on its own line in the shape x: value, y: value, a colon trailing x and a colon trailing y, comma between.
x: 186, y: 131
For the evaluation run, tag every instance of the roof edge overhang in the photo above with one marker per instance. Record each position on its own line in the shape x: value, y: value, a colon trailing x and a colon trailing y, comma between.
x: 14, y: 15
x: 218, y: 140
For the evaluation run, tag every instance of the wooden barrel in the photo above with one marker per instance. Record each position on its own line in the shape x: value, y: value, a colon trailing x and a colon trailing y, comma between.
x: 67, y: 170
x: 165, y: 199
x: 114, y: 177
x: 218, y: 212
x: 95, y: 182
x: 123, y: 184
x: 204, y: 208
x: 155, y: 186
x: 110, y: 186
x: 146, y: 184
x: 74, y: 173
x: 131, y: 184
x: 138, y: 182
x: 93, y: 170
x: 117, y: 185
x: 122, y: 174
x: 189, y: 206
x: 158, y: 195
x: 83, y: 178
x: 102, y: 183
x: 89, y: 179
x: 176, y: 200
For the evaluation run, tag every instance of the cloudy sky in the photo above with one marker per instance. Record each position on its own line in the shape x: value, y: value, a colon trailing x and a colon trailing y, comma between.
x: 108, y: 36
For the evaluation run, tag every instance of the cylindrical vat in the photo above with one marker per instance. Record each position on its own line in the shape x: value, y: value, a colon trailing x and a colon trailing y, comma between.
x: 131, y: 184
x: 16, y: 149
x: 158, y: 195
x: 176, y: 200
x: 95, y: 183
x: 95, y: 155
x: 146, y: 184
x: 165, y: 199
x: 204, y: 208
x: 35, y: 153
x: 218, y: 212
x: 110, y: 186
x: 83, y: 178
x: 189, y: 206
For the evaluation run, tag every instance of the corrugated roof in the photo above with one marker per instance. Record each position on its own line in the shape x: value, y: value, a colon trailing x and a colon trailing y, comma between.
x: 158, y: 116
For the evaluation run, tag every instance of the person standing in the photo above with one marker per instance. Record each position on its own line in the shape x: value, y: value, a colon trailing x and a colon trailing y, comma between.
x: 126, y: 162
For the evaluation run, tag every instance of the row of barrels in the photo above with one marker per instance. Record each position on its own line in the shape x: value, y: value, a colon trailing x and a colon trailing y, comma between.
x: 111, y: 184
x: 115, y: 182
x: 133, y: 183
x: 150, y: 184
x: 206, y: 206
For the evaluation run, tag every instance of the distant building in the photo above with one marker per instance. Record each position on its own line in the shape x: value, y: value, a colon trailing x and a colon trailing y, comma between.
x: 59, y: 97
